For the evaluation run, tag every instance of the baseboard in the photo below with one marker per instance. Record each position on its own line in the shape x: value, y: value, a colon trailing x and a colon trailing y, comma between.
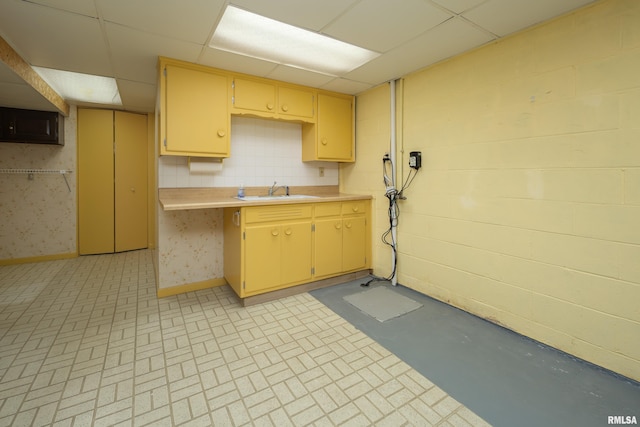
x: 189, y: 287
x: 55, y: 257
x: 305, y: 287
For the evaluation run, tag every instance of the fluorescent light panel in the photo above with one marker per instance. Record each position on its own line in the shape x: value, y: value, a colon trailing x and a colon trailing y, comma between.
x: 80, y: 87
x: 248, y: 34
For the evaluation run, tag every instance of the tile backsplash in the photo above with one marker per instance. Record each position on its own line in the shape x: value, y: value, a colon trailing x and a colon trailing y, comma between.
x: 262, y: 151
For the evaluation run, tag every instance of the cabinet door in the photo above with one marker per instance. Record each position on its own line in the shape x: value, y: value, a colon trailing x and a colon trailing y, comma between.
x: 334, y: 134
x: 130, y: 181
x: 295, y: 102
x: 196, y: 117
x: 255, y: 96
x: 296, y: 252
x: 95, y: 182
x: 262, y: 258
x: 328, y: 246
x: 354, y: 243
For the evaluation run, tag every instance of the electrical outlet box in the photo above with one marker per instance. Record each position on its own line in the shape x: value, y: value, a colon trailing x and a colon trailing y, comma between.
x: 415, y: 160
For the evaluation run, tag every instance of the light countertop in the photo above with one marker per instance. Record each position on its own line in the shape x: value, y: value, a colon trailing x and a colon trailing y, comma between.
x: 213, y: 198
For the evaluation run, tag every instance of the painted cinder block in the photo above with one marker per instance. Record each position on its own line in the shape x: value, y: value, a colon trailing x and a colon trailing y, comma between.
x: 531, y: 192
x: 631, y: 186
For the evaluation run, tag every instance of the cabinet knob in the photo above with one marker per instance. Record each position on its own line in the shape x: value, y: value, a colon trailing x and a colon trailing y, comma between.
x: 275, y: 232
x: 355, y: 209
x: 348, y: 224
x: 338, y: 226
x: 269, y: 106
x: 323, y: 141
x: 221, y: 133
x: 288, y: 232
x: 133, y: 190
x: 285, y: 108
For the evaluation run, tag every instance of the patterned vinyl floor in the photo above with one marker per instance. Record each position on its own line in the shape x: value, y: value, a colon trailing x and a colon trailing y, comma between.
x: 86, y: 342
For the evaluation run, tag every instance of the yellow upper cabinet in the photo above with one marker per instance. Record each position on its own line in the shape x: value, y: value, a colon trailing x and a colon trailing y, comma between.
x: 265, y: 98
x: 332, y: 138
x: 197, y: 102
x: 254, y: 95
x: 296, y: 102
x: 194, y: 112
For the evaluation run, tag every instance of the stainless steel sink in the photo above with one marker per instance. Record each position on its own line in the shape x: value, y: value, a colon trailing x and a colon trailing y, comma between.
x: 279, y: 197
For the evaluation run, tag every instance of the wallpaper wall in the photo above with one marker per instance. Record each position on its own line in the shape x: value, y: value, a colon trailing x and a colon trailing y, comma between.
x: 39, y: 214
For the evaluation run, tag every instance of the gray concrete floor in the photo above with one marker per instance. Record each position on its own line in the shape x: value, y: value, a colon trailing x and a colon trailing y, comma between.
x: 505, y: 378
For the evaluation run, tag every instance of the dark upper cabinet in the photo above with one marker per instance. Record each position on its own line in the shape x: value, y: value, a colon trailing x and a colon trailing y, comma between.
x: 30, y: 126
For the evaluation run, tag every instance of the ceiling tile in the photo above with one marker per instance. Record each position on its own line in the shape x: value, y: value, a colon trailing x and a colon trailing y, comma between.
x: 123, y: 38
x: 459, y: 6
x: 83, y: 7
x: 23, y: 96
x: 137, y: 96
x: 298, y: 76
x: 381, y: 25
x: 504, y: 17
x: 15, y: 93
x: 135, y: 53
x: 346, y: 86
x: 7, y: 75
x: 192, y: 22
x: 47, y: 41
x: 446, y: 40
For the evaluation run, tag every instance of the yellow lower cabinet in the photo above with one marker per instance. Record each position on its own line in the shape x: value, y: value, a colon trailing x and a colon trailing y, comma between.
x: 328, y: 247
x: 262, y: 258
x: 341, y: 243
x: 276, y: 255
x: 296, y: 252
x: 354, y: 253
x: 267, y: 248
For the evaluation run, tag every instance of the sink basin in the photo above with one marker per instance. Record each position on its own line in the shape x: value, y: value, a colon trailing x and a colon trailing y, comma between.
x: 278, y: 197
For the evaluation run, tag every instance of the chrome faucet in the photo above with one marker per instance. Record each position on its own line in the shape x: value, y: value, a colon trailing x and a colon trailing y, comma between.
x: 273, y: 189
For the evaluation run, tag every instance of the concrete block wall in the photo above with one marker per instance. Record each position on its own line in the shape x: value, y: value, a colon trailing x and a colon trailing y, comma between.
x: 527, y: 210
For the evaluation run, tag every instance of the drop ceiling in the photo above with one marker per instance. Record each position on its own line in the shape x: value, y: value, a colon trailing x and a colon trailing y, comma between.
x: 123, y: 38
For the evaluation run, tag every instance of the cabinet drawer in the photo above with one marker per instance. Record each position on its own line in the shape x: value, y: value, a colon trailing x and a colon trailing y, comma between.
x: 328, y: 209
x: 277, y: 213
x: 356, y: 207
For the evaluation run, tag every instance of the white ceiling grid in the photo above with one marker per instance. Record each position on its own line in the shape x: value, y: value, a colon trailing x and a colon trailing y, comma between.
x: 123, y: 38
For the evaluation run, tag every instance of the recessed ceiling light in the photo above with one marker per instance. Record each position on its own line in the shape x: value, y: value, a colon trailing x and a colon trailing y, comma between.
x: 248, y: 34
x: 78, y: 87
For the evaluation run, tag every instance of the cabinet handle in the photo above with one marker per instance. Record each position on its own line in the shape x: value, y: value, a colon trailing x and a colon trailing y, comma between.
x: 288, y: 232
x: 323, y: 141
x: 347, y: 224
x: 275, y: 232
x: 338, y: 226
x: 285, y: 108
x: 221, y: 133
x: 355, y: 208
x: 269, y: 106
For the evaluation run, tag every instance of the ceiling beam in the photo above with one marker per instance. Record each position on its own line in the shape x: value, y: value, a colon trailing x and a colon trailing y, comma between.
x: 19, y: 66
